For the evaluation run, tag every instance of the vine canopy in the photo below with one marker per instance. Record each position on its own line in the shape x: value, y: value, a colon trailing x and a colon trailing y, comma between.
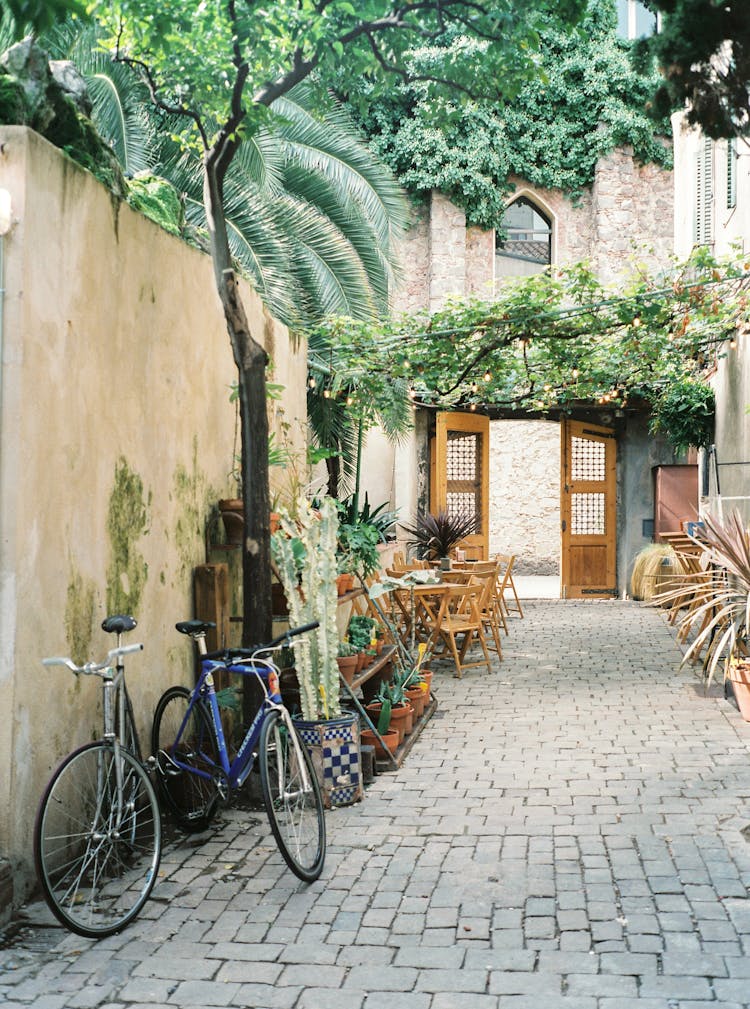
x: 549, y: 344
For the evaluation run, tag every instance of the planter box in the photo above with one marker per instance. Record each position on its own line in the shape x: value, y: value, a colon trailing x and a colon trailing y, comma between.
x: 334, y: 748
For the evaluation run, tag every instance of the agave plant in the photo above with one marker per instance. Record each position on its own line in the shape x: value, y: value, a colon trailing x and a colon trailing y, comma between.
x: 717, y: 594
x: 435, y: 536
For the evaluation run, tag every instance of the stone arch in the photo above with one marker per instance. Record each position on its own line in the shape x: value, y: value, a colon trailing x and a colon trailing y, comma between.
x: 543, y: 216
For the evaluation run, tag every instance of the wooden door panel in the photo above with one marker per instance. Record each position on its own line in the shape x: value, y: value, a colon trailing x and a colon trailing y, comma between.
x: 588, y: 504
x: 459, y: 477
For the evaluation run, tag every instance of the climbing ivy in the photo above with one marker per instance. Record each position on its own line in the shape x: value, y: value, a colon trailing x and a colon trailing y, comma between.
x: 587, y: 102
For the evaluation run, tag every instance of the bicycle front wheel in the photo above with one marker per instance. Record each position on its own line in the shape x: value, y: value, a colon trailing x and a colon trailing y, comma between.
x: 97, y: 840
x: 292, y: 798
x: 192, y: 798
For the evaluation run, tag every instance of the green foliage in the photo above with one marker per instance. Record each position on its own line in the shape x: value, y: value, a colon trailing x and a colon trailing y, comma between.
x: 25, y: 16
x: 158, y: 200
x: 588, y: 102
x: 381, y: 518
x: 361, y: 630
x: 703, y: 52
x: 684, y: 414
x: 555, y: 342
x: 358, y: 548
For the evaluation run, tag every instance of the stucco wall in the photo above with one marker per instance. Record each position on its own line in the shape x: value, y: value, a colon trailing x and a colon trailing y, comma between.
x: 116, y: 440
x: 525, y: 493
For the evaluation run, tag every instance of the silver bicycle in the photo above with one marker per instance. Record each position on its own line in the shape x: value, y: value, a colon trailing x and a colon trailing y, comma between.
x: 97, y: 838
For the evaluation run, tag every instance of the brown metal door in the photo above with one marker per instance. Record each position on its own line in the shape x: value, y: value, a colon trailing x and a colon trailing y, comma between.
x: 588, y: 508
x: 460, y: 473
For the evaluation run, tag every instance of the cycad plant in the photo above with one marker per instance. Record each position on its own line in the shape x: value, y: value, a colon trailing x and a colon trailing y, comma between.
x: 718, y: 596
x: 435, y: 536
x: 311, y: 213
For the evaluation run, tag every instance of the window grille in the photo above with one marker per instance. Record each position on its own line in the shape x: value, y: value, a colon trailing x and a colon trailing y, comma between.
x: 588, y: 460
x: 587, y: 514
x: 463, y: 473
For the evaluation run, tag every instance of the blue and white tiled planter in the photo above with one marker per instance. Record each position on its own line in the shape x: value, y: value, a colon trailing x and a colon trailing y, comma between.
x: 334, y: 748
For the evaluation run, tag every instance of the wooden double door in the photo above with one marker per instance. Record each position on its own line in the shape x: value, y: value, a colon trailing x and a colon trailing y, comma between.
x: 460, y: 480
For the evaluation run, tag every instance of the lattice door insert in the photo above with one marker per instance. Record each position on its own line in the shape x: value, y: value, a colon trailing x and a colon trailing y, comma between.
x: 587, y: 514
x: 588, y: 459
x: 464, y: 472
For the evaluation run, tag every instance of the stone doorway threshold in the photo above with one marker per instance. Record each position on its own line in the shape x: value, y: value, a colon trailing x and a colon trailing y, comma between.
x: 537, y: 586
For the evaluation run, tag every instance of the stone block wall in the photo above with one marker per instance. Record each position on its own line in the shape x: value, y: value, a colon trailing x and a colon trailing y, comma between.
x: 525, y: 493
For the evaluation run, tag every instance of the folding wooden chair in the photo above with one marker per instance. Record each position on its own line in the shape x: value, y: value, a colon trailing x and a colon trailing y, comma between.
x: 461, y: 617
x: 506, y: 584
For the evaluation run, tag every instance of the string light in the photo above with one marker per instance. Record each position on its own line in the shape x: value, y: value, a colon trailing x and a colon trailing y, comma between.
x: 327, y: 393
x: 474, y: 387
x: 311, y: 381
x: 349, y: 400
x: 472, y: 407
x: 636, y: 321
x: 487, y: 376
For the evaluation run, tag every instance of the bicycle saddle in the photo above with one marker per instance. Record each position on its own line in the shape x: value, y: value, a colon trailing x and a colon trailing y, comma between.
x: 195, y: 626
x: 118, y: 624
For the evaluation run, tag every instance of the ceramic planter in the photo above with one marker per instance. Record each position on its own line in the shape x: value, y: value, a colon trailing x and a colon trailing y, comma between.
x: 739, y: 673
x: 400, y: 717
x: 333, y: 745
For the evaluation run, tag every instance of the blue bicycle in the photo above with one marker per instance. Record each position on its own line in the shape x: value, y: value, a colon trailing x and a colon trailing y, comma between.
x: 195, y: 773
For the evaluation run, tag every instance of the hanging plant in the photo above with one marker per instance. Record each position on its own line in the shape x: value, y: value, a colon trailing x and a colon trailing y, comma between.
x: 684, y: 414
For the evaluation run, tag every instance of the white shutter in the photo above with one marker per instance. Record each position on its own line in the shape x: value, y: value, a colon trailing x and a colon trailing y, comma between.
x: 731, y: 173
x: 704, y: 194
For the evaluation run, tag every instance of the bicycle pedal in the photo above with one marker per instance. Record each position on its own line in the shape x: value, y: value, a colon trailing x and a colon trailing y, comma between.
x: 166, y: 766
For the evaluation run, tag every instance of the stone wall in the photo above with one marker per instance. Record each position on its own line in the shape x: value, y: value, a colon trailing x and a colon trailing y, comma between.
x: 116, y: 440
x: 525, y: 493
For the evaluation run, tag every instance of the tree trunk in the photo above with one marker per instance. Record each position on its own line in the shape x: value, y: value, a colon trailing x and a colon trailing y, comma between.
x: 251, y: 360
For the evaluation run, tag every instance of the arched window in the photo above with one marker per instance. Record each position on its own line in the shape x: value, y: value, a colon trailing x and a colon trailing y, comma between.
x: 527, y: 245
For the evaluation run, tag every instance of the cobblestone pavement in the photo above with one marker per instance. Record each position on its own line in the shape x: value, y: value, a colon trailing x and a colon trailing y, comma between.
x: 568, y: 832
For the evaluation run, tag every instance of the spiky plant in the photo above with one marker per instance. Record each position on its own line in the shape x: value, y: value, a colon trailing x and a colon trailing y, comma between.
x: 718, y: 594
x: 435, y: 536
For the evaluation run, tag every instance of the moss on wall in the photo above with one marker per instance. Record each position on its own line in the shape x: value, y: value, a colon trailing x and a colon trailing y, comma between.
x: 79, y: 617
x: 195, y: 498
x: 127, y: 521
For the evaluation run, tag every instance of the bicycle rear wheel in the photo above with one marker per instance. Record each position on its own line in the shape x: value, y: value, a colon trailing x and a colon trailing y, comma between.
x: 295, y: 811
x: 191, y: 798
x: 97, y: 841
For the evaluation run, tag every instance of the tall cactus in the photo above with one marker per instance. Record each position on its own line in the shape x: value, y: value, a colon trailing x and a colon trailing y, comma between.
x: 305, y: 554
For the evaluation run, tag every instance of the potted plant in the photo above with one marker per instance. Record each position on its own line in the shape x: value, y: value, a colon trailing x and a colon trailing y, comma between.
x: 717, y: 598
x: 348, y: 657
x: 358, y: 548
x: 435, y: 536
x: 304, y: 551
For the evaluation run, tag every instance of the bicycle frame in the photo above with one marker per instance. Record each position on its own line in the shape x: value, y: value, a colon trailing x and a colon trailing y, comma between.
x: 236, y: 772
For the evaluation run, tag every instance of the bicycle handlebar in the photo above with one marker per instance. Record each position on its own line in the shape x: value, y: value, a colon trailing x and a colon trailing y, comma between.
x: 91, y: 668
x: 227, y: 654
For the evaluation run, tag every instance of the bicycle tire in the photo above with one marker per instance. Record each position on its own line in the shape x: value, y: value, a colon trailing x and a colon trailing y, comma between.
x: 96, y: 859
x: 296, y: 816
x: 192, y: 800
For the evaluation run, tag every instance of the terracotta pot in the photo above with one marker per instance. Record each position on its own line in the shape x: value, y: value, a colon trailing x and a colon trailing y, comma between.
x: 348, y: 667
x: 360, y: 661
x: 275, y: 522
x: 379, y: 645
x: 426, y: 675
x: 232, y: 515
x: 739, y: 674
x: 400, y: 715
x: 417, y: 698
x: 344, y: 583
x: 390, y: 739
